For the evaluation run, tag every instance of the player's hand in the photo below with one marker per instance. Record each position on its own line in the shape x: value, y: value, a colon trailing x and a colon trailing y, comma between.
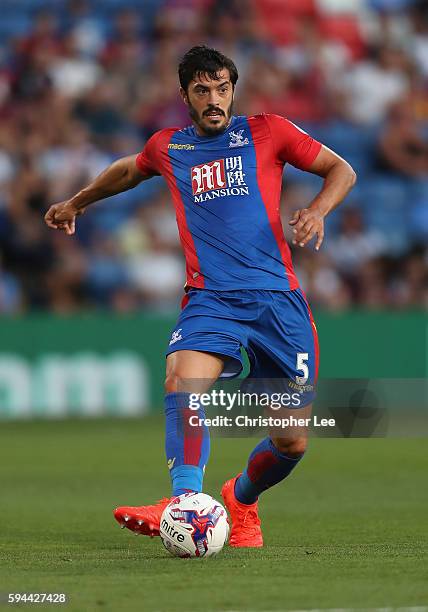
x: 62, y: 216
x: 307, y: 223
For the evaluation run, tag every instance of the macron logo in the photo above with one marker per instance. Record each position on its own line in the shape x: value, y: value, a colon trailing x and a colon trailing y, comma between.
x: 181, y: 147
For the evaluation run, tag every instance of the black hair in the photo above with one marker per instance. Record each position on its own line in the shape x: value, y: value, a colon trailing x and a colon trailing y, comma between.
x: 202, y: 60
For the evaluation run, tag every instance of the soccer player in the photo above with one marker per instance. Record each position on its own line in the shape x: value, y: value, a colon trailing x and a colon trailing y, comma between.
x: 224, y: 173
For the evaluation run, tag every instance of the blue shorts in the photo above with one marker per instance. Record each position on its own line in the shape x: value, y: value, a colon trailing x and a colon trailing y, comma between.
x: 275, y: 328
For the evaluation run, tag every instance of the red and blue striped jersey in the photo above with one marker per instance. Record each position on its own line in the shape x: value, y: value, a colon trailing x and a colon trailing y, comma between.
x: 226, y: 191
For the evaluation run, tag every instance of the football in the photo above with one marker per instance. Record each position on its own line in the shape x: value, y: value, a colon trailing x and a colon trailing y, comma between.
x: 194, y: 525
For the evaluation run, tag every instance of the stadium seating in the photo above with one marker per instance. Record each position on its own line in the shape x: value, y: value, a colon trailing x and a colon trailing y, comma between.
x: 278, y: 9
x: 281, y: 18
x: 13, y: 25
x: 346, y: 29
x: 392, y: 205
x: 17, y: 15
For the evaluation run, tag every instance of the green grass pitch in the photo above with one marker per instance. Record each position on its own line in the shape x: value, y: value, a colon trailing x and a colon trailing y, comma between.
x: 347, y: 529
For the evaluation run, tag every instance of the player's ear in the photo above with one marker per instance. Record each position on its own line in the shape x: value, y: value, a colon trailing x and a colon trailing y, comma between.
x: 184, y: 96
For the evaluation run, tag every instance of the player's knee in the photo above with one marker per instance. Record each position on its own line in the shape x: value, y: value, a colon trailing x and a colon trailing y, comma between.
x: 173, y: 382
x: 292, y: 447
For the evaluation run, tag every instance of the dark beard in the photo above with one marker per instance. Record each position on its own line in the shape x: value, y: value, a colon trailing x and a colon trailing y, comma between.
x: 210, y: 131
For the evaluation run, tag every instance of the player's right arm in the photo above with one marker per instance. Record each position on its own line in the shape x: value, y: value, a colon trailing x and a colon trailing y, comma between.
x: 121, y: 175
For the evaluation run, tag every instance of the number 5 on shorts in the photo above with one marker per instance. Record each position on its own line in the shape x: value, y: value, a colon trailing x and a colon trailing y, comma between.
x: 301, y: 359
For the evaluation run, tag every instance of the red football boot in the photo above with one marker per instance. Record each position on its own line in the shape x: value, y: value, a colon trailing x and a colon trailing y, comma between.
x: 246, y: 531
x: 142, y: 520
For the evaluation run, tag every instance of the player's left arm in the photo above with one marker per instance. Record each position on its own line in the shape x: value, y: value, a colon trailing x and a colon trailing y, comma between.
x: 339, y: 178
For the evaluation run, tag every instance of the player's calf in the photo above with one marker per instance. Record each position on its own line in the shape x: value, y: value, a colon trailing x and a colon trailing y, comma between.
x: 292, y: 447
x: 270, y: 462
x: 187, y: 444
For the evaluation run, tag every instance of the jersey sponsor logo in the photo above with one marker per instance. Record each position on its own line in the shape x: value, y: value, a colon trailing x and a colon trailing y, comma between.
x: 208, y: 176
x: 237, y: 139
x: 176, y: 336
x: 181, y: 147
x: 219, y: 178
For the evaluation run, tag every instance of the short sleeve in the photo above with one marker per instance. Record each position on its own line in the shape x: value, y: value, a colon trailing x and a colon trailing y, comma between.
x: 147, y: 160
x: 292, y: 145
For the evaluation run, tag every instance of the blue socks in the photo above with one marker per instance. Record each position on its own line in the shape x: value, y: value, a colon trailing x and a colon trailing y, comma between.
x: 187, y: 446
x: 187, y: 450
x: 266, y: 467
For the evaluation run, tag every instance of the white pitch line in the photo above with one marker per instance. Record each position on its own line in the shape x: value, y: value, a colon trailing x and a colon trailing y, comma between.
x: 389, y: 609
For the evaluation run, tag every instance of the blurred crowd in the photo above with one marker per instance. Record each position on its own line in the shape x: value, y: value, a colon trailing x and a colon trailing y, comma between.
x: 83, y: 82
